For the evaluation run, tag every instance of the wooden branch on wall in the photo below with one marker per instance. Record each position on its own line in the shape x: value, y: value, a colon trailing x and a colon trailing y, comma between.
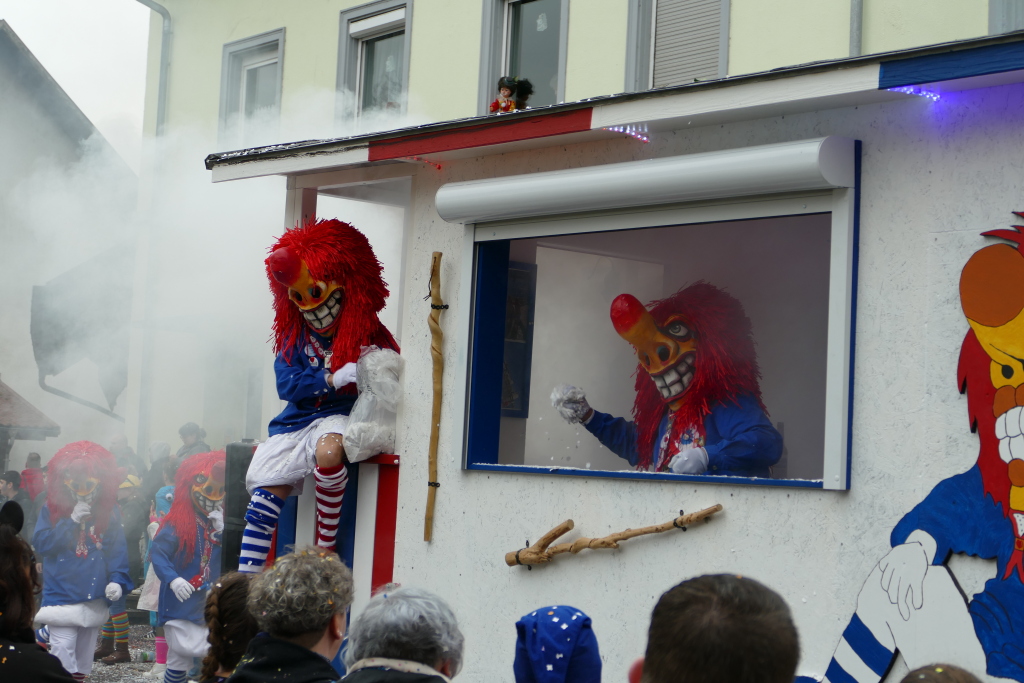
x: 436, y: 338
x: 539, y: 552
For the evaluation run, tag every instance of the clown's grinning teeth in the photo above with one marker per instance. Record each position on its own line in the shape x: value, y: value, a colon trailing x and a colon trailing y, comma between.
x: 207, y: 504
x: 323, y: 316
x: 1009, y: 433
x: 675, y: 380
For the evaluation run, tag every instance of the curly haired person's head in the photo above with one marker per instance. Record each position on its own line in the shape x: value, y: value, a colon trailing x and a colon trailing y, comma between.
x: 231, y: 624
x: 298, y: 597
x: 720, y: 628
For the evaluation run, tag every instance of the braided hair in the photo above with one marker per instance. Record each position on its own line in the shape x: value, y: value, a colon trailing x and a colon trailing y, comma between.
x: 230, y: 623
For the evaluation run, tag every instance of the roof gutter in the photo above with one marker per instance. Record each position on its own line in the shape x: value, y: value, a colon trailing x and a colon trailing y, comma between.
x: 165, y: 64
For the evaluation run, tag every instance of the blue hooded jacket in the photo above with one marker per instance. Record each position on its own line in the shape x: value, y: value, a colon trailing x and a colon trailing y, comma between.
x: 69, y: 579
x: 556, y: 645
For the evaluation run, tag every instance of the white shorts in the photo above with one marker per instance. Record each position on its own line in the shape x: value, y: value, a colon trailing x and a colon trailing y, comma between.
x: 185, y: 640
x: 289, y: 458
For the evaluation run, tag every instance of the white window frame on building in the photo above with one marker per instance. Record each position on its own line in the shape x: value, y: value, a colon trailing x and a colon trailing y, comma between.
x: 691, y: 42
x: 359, y: 26
x: 495, y: 49
x: 241, y: 57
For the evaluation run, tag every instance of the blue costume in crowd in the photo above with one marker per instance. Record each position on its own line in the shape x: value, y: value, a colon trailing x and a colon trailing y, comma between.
x: 169, y: 565
x: 739, y: 438
x: 69, y: 579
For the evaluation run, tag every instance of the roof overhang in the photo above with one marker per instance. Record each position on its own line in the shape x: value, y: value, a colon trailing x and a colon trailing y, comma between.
x: 22, y: 420
x: 906, y: 74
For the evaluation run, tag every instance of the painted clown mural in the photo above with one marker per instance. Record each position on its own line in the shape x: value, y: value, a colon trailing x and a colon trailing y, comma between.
x: 911, y: 602
x: 328, y: 291
x: 698, y: 407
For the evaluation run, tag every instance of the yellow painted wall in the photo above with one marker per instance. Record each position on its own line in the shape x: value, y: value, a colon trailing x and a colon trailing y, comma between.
x: 899, y: 24
x: 596, y: 60
x: 765, y: 35
x: 444, y: 68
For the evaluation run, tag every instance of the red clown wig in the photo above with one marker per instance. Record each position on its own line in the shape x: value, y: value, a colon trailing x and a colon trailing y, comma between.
x: 334, y: 251
x: 91, y: 460
x: 725, y: 366
x: 182, y: 515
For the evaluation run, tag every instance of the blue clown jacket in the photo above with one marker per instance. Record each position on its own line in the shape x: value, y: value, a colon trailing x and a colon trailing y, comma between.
x: 302, y: 381
x: 739, y: 438
x: 962, y: 518
x: 69, y: 579
x: 169, y: 564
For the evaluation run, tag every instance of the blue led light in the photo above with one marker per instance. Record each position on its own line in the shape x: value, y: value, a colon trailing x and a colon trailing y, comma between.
x: 914, y: 90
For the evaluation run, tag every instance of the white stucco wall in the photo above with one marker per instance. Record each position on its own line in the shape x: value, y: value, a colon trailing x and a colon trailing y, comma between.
x: 934, y: 176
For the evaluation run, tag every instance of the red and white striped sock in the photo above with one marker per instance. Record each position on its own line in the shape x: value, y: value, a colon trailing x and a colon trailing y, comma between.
x: 330, y: 491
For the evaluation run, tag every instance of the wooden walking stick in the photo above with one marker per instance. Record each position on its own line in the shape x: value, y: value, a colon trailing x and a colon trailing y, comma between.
x: 436, y: 338
x: 539, y: 552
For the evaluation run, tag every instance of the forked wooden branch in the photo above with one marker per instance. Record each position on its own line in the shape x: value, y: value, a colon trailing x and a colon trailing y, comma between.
x: 539, y: 552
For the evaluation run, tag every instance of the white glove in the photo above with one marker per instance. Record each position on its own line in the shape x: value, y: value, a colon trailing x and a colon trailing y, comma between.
x: 346, y: 374
x: 217, y: 518
x: 571, y: 403
x: 113, y: 592
x: 903, y: 570
x: 81, y: 511
x: 182, y: 589
x: 689, y: 461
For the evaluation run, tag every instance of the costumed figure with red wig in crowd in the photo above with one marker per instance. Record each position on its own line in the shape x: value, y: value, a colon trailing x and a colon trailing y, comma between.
x: 80, y: 541
x: 698, y: 406
x: 328, y: 290
x: 186, y: 558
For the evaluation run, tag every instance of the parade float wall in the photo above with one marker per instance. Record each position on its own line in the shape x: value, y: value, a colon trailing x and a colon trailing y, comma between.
x: 934, y: 176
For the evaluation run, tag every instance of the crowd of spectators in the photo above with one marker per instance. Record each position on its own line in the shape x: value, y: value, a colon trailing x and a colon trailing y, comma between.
x: 288, y: 624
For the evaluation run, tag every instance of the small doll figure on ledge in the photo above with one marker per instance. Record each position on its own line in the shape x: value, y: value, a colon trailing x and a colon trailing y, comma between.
x: 512, y: 95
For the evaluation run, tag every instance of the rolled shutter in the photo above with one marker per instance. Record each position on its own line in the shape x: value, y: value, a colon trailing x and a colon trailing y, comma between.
x: 686, y: 41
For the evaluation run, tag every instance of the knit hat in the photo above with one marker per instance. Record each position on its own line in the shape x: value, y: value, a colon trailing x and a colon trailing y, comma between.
x: 556, y: 645
x: 164, y: 498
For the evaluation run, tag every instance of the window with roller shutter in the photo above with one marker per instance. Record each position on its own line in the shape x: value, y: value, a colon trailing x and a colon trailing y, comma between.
x: 690, y: 41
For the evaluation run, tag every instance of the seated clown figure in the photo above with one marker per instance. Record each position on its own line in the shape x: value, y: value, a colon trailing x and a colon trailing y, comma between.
x: 698, y: 406
x: 81, y: 543
x: 328, y: 290
x: 186, y: 558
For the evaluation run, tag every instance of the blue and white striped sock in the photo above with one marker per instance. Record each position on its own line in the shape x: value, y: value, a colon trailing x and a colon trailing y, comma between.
x: 261, y: 520
x: 174, y: 676
x: 860, y: 657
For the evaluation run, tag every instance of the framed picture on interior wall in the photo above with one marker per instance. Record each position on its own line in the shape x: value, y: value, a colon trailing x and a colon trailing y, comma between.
x: 518, y: 357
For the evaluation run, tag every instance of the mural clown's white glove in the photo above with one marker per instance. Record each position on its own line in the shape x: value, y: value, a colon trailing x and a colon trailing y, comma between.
x: 81, y: 511
x: 113, y: 592
x: 571, y: 403
x: 903, y: 571
x: 346, y: 374
x: 689, y: 461
x: 217, y: 519
x: 182, y: 589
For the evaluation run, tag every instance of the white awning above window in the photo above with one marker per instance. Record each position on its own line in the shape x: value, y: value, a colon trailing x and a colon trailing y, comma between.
x: 818, y: 164
x: 378, y: 24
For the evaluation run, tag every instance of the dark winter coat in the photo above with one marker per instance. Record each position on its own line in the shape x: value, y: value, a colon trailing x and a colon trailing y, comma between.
x: 272, y: 659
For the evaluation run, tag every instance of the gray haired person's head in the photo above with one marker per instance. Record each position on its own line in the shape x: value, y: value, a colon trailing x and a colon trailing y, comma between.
x: 406, y: 623
x: 301, y: 593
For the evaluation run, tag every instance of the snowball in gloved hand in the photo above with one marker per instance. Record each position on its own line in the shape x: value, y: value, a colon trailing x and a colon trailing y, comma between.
x: 81, y: 511
x: 571, y: 403
x: 346, y: 374
x: 689, y: 461
x: 182, y: 589
x: 113, y: 592
x: 217, y: 519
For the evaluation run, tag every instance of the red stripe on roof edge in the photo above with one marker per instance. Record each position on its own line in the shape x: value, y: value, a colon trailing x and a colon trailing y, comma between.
x: 505, y: 128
